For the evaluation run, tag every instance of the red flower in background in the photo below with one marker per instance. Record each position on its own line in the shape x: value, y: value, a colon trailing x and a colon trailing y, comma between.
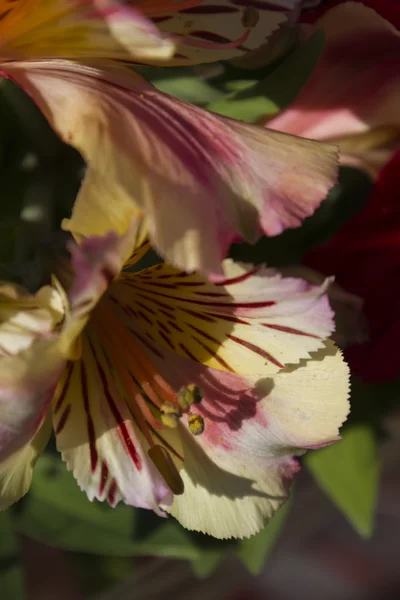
x: 364, y: 256
x: 388, y: 9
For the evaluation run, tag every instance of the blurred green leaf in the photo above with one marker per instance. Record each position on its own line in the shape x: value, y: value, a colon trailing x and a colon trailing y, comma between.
x: 254, y: 551
x: 183, y: 83
x: 11, y: 574
x: 348, y: 472
x: 278, y: 89
x: 58, y: 513
x: 207, y: 563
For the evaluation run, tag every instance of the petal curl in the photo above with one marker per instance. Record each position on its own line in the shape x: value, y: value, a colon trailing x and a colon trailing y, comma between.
x: 78, y: 29
x: 352, y: 97
x: 237, y: 473
x: 16, y: 470
x: 193, y: 175
x: 214, y: 30
x: 250, y: 322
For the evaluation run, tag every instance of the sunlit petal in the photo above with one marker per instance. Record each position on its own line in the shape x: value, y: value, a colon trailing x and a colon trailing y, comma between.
x: 16, y: 470
x: 237, y: 473
x: 194, y: 175
x: 77, y: 29
x: 251, y: 322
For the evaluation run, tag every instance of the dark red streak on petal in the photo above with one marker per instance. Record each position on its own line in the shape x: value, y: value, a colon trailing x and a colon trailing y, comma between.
x: 211, y: 294
x: 162, y: 326
x: 63, y: 419
x: 203, y: 302
x: 217, y: 357
x: 230, y: 318
x: 290, y: 330
x: 206, y: 335
x: 239, y: 278
x: 150, y: 310
x: 111, y: 492
x: 198, y: 315
x: 166, y: 340
x: 143, y: 341
x: 89, y: 421
x: 175, y: 326
x: 103, y: 477
x: 65, y: 388
x: 256, y: 350
x: 122, y: 428
x: 143, y: 316
x: 260, y: 4
x: 209, y: 9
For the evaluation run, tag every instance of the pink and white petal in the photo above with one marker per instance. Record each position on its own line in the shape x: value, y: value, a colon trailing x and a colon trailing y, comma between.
x: 94, y: 264
x: 252, y: 322
x: 30, y: 362
x: 16, y: 470
x: 194, y: 175
x: 32, y: 365
x: 27, y: 385
x: 98, y: 437
x: 355, y: 87
x: 351, y: 326
x: 237, y: 473
x: 216, y: 30
x: 25, y: 318
x: 77, y: 30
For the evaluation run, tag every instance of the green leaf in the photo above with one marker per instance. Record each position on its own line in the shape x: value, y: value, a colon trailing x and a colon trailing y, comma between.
x: 207, y: 563
x: 58, y: 513
x: 278, y: 89
x: 11, y: 574
x: 348, y: 472
x: 183, y: 83
x: 255, y: 550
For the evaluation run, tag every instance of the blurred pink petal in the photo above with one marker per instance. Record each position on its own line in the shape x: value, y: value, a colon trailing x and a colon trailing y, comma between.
x: 352, y: 98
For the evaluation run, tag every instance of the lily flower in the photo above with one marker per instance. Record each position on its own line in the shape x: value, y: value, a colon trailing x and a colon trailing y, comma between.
x: 193, y: 175
x: 167, y: 391
x: 352, y: 97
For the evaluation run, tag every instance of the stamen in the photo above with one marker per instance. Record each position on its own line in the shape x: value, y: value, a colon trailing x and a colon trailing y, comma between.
x: 196, y: 424
x: 190, y: 394
x: 166, y: 466
x: 250, y: 16
x: 170, y: 414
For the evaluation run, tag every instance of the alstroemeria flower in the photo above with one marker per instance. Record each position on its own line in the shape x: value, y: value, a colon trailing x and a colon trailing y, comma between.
x: 173, y: 392
x: 194, y: 175
x: 352, y: 98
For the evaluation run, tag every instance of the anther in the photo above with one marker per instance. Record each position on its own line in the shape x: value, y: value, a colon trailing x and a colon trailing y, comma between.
x: 250, y: 16
x: 196, y: 424
x: 170, y: 414
x: 166, y: 467
x: 190, y: 394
